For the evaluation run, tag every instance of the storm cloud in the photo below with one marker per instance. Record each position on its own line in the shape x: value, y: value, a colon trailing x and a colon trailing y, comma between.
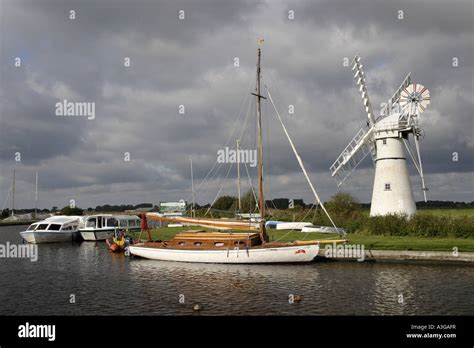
x: 190, y: 62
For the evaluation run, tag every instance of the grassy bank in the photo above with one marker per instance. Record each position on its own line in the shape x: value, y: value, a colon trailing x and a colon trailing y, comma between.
x: 443, y: 223
x: 370, y: 242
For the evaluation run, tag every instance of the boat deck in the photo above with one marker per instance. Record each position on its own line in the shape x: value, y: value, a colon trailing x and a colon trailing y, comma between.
x: 203, y: 240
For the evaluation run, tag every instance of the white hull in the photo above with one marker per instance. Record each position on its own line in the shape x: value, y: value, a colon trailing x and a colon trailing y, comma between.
x: 322, y: 229
x: 36, y: 237
x: 96, y: 235
x: 103, y: 234
x: 292, y: 225
x: 303, y: 253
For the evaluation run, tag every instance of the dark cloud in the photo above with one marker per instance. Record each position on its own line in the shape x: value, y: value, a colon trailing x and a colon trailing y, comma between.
x: 190, y: 62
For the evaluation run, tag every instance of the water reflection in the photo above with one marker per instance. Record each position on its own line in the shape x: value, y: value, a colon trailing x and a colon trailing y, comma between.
x: 105, y: 283
x: 393, y: 293
x: 240, y: 289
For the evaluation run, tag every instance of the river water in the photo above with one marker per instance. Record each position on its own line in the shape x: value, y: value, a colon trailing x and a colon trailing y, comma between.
x: 102, y: 283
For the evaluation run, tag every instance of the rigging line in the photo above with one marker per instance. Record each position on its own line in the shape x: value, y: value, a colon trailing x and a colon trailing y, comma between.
x: 292, y: 230
x: 252, y: 145
x: 251, y: 184
x: 314, y: 205
x: 231, y: 133
x: 246, y: 119
x: 315, y: 212
x: 220, y: 190
x: 206, y: 177
x: 299, y: 159
x: 7, y: 198
x: 266, y: 156
x: 228, y: 171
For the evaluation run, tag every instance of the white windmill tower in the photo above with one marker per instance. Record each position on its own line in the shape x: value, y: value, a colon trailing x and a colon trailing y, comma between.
x: 386, y: 138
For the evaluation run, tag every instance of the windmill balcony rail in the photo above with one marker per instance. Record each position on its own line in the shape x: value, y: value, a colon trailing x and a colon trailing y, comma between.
x: 394, y: 126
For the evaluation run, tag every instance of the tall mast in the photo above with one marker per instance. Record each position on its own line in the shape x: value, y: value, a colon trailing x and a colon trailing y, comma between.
x: 36, y: 195
x: 263, y: 234
x: 193, y: 213
x: 238, y: 173
x: 13, y: 199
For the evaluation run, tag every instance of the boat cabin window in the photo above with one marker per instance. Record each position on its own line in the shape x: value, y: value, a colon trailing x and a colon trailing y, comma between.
x: 54, y: 227
x: 219, y: 244
x: 32, y: 227
x: 197, y: 243
x: 42, y: 226
x: 91, y: 222
x: 112, y: 222
x: 124, y: 223
x: 182, y: 243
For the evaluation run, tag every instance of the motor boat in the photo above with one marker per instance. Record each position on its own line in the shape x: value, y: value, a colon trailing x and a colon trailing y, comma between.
x: 54, y: 229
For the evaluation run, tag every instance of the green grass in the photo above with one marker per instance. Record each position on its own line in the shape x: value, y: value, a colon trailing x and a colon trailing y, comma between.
x: 447, y: 212
x: 370, y: 242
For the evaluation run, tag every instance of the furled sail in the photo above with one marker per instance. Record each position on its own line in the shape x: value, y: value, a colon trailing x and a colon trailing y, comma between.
x: 219, y: 224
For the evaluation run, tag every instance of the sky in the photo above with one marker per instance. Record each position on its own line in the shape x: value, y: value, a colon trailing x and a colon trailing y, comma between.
x: 138, y: 146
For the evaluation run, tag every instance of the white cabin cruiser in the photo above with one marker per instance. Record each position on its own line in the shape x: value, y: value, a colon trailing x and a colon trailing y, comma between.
x: 53, y: 230
x: 103, y: 226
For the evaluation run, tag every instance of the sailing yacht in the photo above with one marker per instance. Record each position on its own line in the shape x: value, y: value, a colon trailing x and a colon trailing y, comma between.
x: 251, y: 245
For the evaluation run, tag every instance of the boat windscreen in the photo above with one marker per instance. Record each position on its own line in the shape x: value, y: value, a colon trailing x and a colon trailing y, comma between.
x: 54, y: 227
x: 32, y: 227
x: 42, y: 226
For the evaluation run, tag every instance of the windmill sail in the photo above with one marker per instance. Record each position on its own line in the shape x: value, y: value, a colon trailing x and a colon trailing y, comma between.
x: 354, y: 153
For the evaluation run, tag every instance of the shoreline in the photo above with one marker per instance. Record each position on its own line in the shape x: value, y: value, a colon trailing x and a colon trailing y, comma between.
x: 377, y: 248
x: 407, y: 255
x: 17, y: 223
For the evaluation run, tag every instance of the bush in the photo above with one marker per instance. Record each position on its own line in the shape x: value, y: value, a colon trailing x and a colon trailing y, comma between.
x: 346, y: 212
x: 343, y: 206
x: 71, y: 211
x: 421, y: 226
x: 224, y: 203
x: 389, y: 225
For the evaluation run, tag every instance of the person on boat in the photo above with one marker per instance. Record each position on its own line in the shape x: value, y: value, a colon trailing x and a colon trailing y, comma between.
x: 118, y: 238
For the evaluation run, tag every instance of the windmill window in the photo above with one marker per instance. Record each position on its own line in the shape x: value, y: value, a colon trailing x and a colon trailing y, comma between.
x: 384, y: 141
x: 387, y: 187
